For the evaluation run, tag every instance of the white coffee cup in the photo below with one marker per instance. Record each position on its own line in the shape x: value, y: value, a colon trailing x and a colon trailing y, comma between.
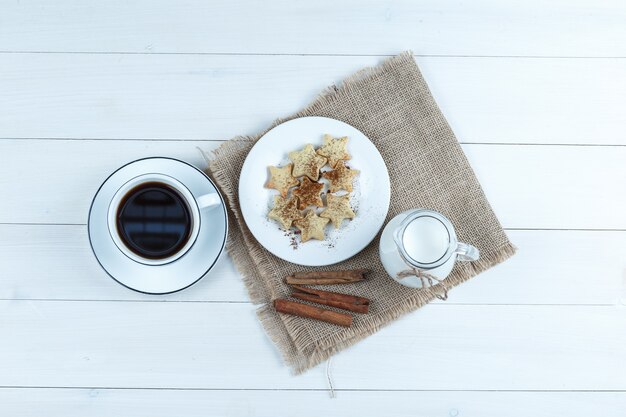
x: 194, y: 205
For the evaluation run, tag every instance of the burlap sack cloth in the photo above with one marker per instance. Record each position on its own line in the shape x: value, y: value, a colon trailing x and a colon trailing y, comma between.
x: 391, y: 105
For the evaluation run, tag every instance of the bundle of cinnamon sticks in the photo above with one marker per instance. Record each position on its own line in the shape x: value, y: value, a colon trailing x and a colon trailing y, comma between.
x: 333, y: 299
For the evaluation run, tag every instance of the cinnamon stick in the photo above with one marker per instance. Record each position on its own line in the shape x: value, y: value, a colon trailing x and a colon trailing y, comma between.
x: 326, y: 277
x: 333, y: 299
x: 304, y: 310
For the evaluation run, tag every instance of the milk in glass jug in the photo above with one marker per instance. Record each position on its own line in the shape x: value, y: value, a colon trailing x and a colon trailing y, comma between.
x: 419, y: 247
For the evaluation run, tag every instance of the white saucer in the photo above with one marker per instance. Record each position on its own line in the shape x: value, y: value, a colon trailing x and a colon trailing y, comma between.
x: 370, y: 197
x: 173, y: 276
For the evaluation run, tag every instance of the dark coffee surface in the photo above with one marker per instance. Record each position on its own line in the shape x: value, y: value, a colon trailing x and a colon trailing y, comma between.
x: 153, y: 220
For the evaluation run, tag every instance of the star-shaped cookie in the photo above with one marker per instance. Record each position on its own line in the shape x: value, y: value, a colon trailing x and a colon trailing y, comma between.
x: 338, y: 208
x: 309, y: 193
x: 307, y: 162
x: 334, y: 149
x: 285, y: 210
x: 281, y: 179
x: 341, y: 177
x: 311, y: 226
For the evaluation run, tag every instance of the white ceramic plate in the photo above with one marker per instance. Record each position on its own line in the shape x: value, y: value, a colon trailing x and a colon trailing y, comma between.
x: 370, y: 198
x: 173, y: 276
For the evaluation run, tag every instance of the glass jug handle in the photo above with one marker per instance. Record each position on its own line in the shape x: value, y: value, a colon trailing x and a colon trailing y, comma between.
x: 467, y: 252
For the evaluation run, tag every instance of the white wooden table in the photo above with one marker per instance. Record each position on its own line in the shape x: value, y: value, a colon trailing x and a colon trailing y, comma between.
x: 535, y: 91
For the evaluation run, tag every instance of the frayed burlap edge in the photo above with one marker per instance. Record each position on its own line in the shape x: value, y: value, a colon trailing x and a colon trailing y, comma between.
x: 311, y: 356
x: 257, y: 289
x: 301, y: 357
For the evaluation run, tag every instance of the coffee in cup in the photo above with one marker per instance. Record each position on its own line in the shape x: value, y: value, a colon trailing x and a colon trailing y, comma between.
x: 154, y: 219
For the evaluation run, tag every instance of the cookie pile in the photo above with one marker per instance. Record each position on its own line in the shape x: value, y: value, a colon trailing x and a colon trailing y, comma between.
x: 304, y: 171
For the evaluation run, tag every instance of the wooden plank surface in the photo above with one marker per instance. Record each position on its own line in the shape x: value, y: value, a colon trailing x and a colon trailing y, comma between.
x: 551, y: 267
x: 166, y: 403
x: 535, y: 91
x: 528, y: 186
x: 222, y: 345
x: 483, y: 27
x: 486, y: 100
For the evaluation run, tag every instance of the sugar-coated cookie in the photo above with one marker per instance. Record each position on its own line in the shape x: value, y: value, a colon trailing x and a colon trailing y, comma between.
x: 334, y: 149
x: 309, y: 193
x: 307, y: 162
x: 311, y: 226
x: 285, y: 211
x: 281, y: 179
x: 338, y: 208
x: 341, y: 177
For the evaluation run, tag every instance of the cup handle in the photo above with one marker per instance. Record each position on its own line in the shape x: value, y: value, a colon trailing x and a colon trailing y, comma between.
x: 467, y: 252
x: 208, y: 200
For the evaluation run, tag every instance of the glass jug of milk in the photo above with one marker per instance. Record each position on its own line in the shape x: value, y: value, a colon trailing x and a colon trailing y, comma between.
x: 420, y: 242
